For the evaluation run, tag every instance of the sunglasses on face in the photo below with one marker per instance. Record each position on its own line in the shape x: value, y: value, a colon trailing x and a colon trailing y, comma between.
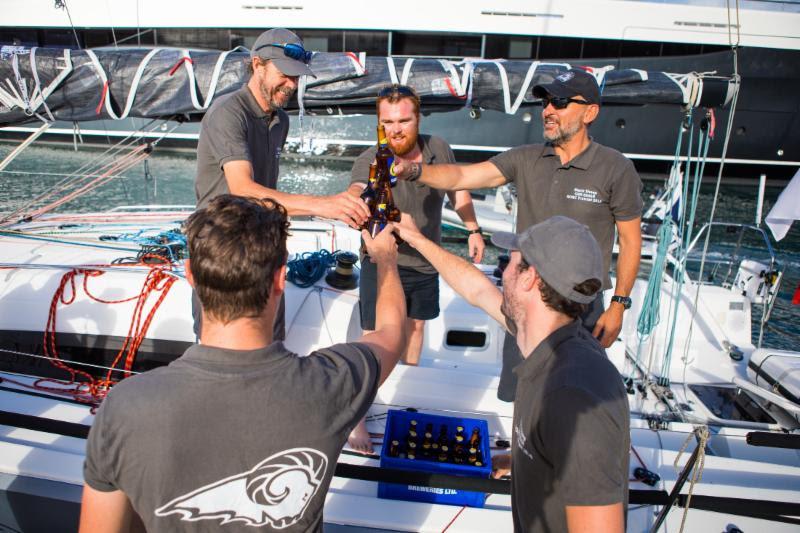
x: 559, y: 102
x: 292, y: 51
x: 402, y: 90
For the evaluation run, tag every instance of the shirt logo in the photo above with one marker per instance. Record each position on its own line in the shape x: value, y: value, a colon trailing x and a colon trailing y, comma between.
x: 584, y: 195
x: 565, y: 77
x: 276, y: 492
x: 522, y: 440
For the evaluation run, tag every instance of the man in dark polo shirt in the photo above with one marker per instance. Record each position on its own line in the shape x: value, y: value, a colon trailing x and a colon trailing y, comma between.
x: 569, y: 175
x: 239, y: 434
x: 397, y: 108
x: 571, y: 431
x: 243, y: 133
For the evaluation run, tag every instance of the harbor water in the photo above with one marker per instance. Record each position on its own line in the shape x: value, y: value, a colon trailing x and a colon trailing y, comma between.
x: 168, y: 179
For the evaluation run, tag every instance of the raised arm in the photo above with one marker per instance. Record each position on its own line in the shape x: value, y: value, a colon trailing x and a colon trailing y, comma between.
x: 451, y: 177
x: 388, y: 339
x: 469, y: 282
x: 343, y: 206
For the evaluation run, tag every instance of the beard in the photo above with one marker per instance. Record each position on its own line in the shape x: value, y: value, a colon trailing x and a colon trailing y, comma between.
x: 505, y: 309
x: 404, y: 145
x: 562, y: 134
x: 277, y: 98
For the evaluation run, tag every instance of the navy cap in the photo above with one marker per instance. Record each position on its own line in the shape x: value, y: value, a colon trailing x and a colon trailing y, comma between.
x: 563, y: 251
x: 287, y: 65
x: 573, y: 82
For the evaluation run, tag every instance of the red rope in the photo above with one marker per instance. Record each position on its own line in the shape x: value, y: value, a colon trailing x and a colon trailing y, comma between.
x: 102, y: 98
x: 180, y: 62
x: 454, y: 519
x: 81, y: 385
x: 453, y: 91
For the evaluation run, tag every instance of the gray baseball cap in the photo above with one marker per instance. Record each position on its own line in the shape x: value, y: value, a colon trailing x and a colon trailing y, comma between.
x: 292, y: 60
x: 563, y: 251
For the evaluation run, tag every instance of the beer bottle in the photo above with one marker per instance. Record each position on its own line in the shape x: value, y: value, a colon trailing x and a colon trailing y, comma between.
x: 442, y: 440
x: 384, y: 157
x: 378, y: 220
x: 473, y: 456
x: 475, y: 438
x: 478, y: 458
x: 394, y: 449
x: 427, y: 441
x: 370, y: 193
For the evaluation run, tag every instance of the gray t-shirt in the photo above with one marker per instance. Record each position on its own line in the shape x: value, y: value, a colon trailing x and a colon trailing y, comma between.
x: 597, y: 188
x: 226, y: 440
x: 235, y: 128
x: 571, y: 435
x: 423, y: 203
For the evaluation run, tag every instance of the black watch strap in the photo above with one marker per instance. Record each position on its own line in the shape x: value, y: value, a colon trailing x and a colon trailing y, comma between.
x: 478, y: 230
x: 624, y: 300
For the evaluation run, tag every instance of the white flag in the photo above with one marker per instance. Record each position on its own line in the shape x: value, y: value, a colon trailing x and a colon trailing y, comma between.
x: 786, y: 210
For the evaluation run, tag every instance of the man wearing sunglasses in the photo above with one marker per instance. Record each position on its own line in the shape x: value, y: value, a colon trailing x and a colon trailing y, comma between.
x: 243, y: 133
x: 397, y: 108
x: 570, y: 175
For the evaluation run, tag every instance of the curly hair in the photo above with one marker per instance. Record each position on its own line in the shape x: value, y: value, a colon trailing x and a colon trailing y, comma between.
x: 236, y: 245
x: 561, y: 304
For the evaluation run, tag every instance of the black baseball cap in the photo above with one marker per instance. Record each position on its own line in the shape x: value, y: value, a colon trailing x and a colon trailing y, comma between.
x: 573, y: 82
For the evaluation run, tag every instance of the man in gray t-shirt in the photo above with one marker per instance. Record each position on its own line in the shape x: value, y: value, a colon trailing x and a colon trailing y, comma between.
x: 238, y: 432
x: 242, y: 137
x: 571, y: 436
x: 570, y: 175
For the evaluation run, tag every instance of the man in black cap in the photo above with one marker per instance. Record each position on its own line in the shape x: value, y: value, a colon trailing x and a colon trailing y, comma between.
x: 243, y: 133
x: 571, y: 431
x: 569, y: 175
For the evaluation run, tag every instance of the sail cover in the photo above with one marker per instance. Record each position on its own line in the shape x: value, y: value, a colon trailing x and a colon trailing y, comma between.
x: 79, y: 85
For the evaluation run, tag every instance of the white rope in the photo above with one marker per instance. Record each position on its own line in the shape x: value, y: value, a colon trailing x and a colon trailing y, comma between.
x: 406, y: 71
x: 392, y: 70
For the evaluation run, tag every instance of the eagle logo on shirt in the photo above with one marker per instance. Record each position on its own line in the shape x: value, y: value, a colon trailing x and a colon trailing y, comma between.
x: 276, y: 492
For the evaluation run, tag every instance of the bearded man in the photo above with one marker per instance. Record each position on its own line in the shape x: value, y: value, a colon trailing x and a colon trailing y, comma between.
x: 242, y: 137
x: 570, y: 175
x: 397, y: 107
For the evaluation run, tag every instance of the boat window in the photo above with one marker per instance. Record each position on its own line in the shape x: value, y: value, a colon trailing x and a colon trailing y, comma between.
x: 211, y: 39
x: 322, y: 40
x: 466, y: 339
x: 559, y: 48
x: 601, y: 48
x: 510, y: 47
x: 19, y: 37
x: 435, y: 44
x: 374, y: 43
x: 640, y: 49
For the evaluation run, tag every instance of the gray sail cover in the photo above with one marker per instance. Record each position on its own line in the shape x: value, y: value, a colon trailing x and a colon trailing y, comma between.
x: 81, y: 85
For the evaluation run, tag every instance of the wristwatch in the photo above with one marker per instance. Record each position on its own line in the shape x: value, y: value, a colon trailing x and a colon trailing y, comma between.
x: 478, y: 230
x: 624, y: 300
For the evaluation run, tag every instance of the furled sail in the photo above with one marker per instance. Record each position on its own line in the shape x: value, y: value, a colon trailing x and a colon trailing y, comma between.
x: 79, y: 85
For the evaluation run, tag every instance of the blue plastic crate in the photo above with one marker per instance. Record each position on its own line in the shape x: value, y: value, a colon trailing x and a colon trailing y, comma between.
x: 397, y: 423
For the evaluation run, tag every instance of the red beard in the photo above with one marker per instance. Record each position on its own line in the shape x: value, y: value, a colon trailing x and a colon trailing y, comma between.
x: 403, y: 146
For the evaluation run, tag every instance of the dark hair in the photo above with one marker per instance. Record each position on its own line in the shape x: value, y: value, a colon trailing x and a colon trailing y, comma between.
x: 562, y: 304
x: 249, y: 61
x: 235, y: 245
x: 394, y: 93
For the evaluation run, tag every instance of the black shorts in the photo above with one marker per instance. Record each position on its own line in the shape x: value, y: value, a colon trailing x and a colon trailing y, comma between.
x: 421, y: 290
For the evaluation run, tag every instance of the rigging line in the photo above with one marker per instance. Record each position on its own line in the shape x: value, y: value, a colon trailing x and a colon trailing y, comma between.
x: 63, y: 184
x: 62, y: 4
x: 79, y: 363
x: 728, y: 129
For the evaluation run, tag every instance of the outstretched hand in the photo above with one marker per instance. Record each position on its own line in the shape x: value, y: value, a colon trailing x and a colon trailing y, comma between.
x: 383, y: 248
x: 346, y: 207
x: 407, y: 230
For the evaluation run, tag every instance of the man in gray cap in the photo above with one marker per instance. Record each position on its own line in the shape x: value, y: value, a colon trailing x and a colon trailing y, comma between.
x: 242, y: 137
x: 570, y: 175
x: 571, y: 431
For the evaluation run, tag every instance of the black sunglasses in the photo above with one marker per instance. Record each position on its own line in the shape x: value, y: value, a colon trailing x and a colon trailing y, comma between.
x: 292, y: 51
x: 402, y: 90
x: 559, y: 102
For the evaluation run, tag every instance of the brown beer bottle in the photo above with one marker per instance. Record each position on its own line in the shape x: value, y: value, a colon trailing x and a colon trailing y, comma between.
x: 370, y: 193
x: 475, y: 438
x: 394, y: 449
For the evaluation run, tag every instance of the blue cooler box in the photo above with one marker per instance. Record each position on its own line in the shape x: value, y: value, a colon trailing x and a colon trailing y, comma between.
x: 397, y: 423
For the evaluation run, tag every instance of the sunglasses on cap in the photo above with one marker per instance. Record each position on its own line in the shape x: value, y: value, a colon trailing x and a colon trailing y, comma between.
x: 292, y: 51
x: 560, y: 102
x: 402, y: 90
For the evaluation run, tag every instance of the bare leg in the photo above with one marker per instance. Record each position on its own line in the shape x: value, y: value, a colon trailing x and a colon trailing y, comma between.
x: 359, y: 438
x: 415, y: 330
